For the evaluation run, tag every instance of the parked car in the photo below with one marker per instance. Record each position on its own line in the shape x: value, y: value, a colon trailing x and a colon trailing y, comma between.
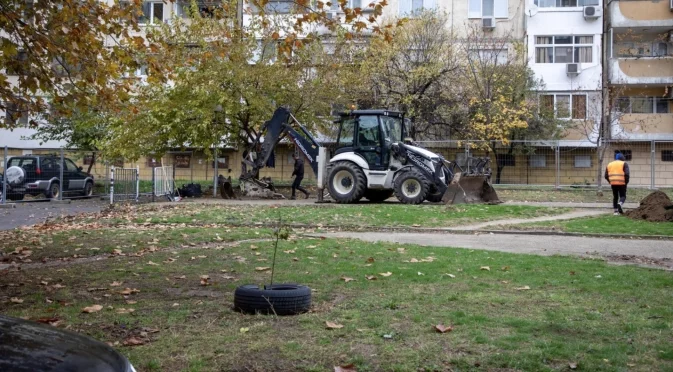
x: 29, y: 346
x: 41, y: 174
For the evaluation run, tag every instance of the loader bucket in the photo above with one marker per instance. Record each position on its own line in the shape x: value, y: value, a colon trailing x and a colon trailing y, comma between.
x: 470, y: 189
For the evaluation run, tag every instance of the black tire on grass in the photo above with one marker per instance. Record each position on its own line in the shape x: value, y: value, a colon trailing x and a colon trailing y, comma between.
x: 279, y: 299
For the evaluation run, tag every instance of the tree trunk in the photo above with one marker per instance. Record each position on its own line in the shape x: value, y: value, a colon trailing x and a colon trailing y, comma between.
x: 93, y: 161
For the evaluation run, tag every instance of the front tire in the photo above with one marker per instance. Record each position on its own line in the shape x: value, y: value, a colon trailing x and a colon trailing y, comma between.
x: 411, y: 187
x: 346, y: 182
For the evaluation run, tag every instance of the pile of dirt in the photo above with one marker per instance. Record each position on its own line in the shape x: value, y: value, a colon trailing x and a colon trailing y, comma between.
x: 656, y: 207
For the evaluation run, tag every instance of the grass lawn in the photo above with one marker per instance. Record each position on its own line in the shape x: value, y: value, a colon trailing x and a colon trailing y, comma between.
x: 359, y: 215
x: 547, y: 194
x: 607, y: 224
x: 508, y: 312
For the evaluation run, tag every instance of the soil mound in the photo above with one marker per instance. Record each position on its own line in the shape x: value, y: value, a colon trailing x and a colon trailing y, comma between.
x: 656, y: 207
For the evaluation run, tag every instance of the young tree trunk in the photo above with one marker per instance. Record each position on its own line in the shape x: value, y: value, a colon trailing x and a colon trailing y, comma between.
x: 93, y: 161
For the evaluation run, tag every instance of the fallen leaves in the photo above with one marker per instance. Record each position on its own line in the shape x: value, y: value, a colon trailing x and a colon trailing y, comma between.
x: 524, y: 288
x: 370, y: 277
x: 16, y: 300
x: 128, y: 291
x: 443, y: 329
x: 386, y: 274
x: 134, y: 341
x: 51, y: 321
x: 92, y: 309
x: 244, y: 329
x: 331, y: 325
x: 262, y: 268
x: 152, y: 263
x: 115, y: 284
x: 204, y: 280
x: 347, y: 279
x: 450, y: 275
x: 485, y: 268
x: 124, y: 311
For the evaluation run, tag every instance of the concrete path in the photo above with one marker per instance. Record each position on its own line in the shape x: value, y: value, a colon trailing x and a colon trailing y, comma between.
x: 607, y: 206
x: 520, y: 243
x: 514, y: 221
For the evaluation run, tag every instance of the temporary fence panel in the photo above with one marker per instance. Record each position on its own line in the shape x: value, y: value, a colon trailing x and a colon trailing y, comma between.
x: 124, y: 184
x: 163, y: 181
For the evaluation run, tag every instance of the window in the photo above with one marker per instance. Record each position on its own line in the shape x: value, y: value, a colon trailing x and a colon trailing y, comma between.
x: 70, y: 166
x: 643, y: 105
x: 627, y: 154
x: 153, y: 13
x: 489, y: 56
x: 537, y: 161
x: 392, y: 128
x: 408, y: 7
x: 505, y: 160
x: 346, y: 133
x: 626, y: 49
x: 666, y: 155
x: 488, y: 8
x: 62, y: 68
x: 14, y: 115
x: 582, y: 161
x: 564, y: 3
x: 368, y: 131
x: 564, y: 49
x: 566, y: 106
x: 18, y: 64
x: 222, y: 162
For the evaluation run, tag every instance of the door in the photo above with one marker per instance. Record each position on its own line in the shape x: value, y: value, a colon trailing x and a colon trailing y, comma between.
x: 368, y: 141
x: 71, y: 177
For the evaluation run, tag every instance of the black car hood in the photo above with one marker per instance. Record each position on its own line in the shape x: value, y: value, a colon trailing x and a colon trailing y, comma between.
x: 30, y: 346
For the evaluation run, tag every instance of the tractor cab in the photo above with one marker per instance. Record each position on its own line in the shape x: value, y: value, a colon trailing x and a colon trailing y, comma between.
x: 370, y: 134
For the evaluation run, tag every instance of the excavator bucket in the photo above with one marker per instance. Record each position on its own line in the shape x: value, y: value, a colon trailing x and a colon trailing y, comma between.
x: 470, y: 189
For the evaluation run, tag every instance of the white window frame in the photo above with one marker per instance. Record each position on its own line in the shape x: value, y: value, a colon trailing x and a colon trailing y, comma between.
x: 582, y: 161
x: 406, y: 7
x: 21, y: 120
x: 151, y: 21
x: 537, y: 161
x: 579, y: 4
x: 570, y: 104
x: 500, y: 59
x: 475, y: 9
x: 553, y: 47
x: 655, y: 100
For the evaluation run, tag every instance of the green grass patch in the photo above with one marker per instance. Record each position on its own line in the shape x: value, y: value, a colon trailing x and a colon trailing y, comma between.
x: 90, y: 242
x: 607, y: 224
x: 359, y: 215
x: 602, y: 317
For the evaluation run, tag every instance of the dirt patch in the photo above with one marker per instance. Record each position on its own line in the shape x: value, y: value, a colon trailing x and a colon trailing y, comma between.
x: 665, y: 263
x: 656, y: 207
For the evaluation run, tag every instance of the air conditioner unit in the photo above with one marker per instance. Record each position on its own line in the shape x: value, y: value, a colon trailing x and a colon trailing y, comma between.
x: 489, y: 23
x: 573, y: 69
x: 593, y: 12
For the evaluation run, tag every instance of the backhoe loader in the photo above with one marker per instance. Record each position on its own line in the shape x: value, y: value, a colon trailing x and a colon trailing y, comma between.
x: 372, y: 160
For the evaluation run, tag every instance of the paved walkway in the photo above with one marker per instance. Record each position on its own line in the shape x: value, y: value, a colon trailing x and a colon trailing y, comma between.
x: 26, y: 214
x: 521, y: 243
x: 514, y: 221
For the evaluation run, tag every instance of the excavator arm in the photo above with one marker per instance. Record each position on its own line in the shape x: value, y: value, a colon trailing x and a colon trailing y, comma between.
x: 273, y: 131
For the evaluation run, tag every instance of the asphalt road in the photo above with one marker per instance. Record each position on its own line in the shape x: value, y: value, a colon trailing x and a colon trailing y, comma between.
x: 26, y: 214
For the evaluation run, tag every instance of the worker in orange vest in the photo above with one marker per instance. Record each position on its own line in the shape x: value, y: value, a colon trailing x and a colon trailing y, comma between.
x: 617, y: 173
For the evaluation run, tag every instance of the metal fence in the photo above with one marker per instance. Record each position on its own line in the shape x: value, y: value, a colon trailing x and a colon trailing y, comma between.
x: 163, y: 181
x: 124, y: 184
x: 563, y: 163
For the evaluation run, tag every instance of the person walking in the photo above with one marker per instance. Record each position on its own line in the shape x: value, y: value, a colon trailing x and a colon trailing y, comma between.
x: 617, y: 173
x: 298, y: 174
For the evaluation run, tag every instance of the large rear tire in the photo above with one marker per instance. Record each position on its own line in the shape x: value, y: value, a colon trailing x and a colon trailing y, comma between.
x: 411, y: 187
x: 377, y: 196
x: 54, y: 191
x: 88, y: 189
x: 346, y: 182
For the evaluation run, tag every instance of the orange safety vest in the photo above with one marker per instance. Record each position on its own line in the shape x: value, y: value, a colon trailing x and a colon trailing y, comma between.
x: 616, y: 173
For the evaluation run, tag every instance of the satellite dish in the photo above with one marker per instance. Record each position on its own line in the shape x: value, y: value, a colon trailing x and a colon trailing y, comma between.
x: 533, y: 10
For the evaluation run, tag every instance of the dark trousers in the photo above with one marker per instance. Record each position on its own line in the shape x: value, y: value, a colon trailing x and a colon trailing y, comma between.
x: 296, y: 185
x: 618, y: 195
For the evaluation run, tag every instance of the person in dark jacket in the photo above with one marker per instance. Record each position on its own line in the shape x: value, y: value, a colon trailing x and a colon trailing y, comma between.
x: 298, y: 174
x: 617, y: 173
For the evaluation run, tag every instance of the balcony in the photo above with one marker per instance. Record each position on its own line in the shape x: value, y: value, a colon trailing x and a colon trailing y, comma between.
x: 644, y: 127
x: 641, y: 71
x: 640, y: 13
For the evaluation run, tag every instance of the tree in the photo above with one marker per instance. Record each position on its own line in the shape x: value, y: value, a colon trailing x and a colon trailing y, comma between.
x: 64, y: 51
x: 412, y: 72
x: 226, y: 79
